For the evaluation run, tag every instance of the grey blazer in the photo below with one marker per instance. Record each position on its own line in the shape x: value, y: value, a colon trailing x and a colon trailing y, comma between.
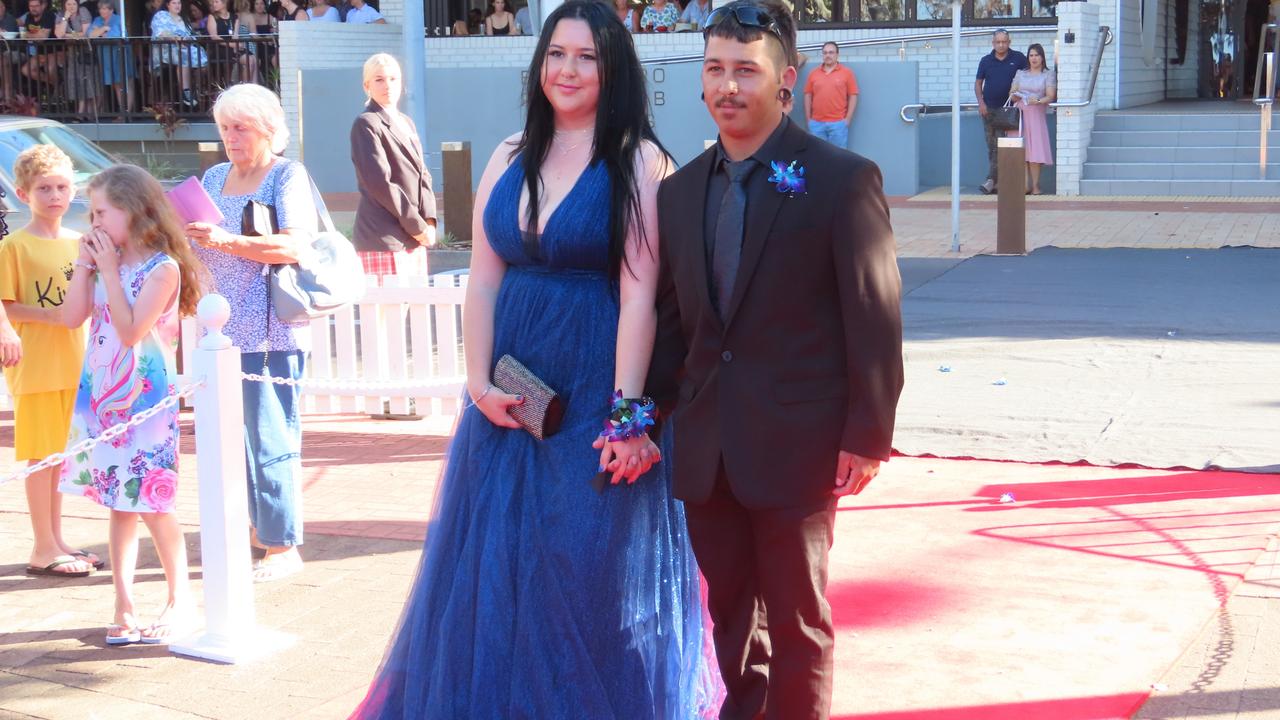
x: 396, y: 198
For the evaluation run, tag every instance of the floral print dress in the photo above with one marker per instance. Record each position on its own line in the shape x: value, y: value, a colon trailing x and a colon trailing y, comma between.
x: 137, y: 471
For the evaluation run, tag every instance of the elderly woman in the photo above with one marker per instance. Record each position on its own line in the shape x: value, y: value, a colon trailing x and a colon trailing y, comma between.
x: 168, y: 24
x: 397, y: 212
x: 238, y: 253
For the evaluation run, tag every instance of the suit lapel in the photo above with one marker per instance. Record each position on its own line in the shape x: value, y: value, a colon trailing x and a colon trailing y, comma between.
x: 761, y: 213
x: 406, y: 145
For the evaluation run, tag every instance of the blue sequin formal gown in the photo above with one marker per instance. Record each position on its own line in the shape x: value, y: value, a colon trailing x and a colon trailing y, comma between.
x: 538, y: 597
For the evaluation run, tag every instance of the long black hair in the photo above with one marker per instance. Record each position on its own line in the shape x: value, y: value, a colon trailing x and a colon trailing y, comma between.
x: 622, y: 121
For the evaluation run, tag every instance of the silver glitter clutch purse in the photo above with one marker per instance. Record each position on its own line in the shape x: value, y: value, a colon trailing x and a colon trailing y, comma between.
x: 542, y: 410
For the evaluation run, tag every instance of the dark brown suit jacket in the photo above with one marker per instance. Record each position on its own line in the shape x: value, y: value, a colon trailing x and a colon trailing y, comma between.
x: 396, y: 198
x: 808, y: 360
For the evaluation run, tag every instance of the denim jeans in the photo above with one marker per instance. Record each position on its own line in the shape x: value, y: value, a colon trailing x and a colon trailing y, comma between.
x: 273, y: 447
x: 836, y: 133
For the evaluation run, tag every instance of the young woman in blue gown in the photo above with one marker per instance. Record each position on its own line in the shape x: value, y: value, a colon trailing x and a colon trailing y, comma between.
x: 537, y: 596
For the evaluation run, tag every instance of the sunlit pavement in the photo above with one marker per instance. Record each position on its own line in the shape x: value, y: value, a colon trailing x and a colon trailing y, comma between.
x: 1086, y: 591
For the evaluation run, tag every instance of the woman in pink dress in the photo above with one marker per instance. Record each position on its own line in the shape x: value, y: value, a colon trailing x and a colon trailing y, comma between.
x: 1033, y: 89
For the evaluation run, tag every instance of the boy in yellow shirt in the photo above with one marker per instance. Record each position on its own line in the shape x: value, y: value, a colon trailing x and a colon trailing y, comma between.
x: 36, y: 264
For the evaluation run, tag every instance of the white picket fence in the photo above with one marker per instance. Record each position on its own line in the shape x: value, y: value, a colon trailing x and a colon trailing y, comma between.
x: 404, y: 332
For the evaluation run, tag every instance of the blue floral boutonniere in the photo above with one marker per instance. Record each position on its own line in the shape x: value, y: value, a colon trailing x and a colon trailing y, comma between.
x: 789, y: 178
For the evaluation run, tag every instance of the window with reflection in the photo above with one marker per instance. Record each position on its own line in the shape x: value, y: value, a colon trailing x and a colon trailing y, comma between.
x: 821, y: 11
x: 994, y: 9
x: 928, y: 10
x: 879, y: 11
x: 1044, y: 8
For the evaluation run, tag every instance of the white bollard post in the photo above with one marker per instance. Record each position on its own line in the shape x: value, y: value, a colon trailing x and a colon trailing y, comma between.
x: 230, y: 634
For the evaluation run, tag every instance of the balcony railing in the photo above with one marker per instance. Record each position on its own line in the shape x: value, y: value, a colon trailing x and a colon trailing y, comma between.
x: 137, y: 79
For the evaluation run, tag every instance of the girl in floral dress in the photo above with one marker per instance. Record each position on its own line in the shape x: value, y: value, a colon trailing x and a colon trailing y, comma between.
x: 135, y: 274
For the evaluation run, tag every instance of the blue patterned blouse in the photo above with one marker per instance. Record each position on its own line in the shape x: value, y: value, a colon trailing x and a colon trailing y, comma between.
x: 242, y: 281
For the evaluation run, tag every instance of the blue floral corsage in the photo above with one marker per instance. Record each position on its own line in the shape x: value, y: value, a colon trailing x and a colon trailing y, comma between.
x: 789, y: 178
x: 630, y: 418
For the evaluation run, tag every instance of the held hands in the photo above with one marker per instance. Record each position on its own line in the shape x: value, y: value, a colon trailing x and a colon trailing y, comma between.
x: 496, y: 406
x: 208, y: 235
x: 854, y: 473
x: 627, y: 458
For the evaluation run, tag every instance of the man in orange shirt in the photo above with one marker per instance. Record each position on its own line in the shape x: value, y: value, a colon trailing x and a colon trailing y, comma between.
x: 830, y: 97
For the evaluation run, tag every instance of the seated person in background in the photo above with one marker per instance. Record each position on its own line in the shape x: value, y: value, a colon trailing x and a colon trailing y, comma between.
x: 362, y: 13
x: 524, y: 24
x: 224, y: 25
x: 39, y: 23
x: 499, y: 21
x: 696, y: 12
x: 661, y: 16
x: 324, y: 11
x: 627, y: 14
x: 168, y: 24
x: 195, y: 15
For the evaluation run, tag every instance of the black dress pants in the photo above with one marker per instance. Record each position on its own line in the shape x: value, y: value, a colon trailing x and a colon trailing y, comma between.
x: 766, y: 572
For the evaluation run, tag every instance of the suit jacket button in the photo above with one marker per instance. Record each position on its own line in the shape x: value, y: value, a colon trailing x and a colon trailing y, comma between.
x: 726, y: 356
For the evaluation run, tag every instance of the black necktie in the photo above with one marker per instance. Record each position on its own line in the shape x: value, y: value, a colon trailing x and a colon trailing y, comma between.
x: 728, y: 248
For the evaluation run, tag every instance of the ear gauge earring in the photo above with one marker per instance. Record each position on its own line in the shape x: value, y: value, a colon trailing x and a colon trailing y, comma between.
x: 784, y: 94
x: 702, y: 96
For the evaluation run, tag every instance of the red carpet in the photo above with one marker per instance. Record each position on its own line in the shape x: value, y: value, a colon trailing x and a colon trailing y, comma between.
x: 1066, y: 604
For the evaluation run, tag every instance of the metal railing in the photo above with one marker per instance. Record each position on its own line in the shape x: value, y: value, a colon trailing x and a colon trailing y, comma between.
x: 136, y: 79
x: 1264, y: 89
x: 900, y: 40
x: 908, y: 113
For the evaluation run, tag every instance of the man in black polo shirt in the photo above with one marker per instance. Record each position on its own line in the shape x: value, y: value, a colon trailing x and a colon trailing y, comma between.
x: 995, y: 78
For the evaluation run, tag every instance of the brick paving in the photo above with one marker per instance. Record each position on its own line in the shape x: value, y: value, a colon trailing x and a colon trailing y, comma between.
x: 368, y: 489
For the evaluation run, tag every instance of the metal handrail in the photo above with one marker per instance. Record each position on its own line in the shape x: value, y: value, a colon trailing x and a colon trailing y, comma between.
x: 1265, y: 101
x: 1258, y: 98
x: 1105, y: 38
x: 863, y: 42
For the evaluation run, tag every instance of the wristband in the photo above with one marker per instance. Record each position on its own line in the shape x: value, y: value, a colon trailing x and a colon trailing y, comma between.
x: 629, y: 418
x: 87, y: 266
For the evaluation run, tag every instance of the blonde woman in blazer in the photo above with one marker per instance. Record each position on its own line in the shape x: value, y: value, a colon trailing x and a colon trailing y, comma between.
x: 396, y: 217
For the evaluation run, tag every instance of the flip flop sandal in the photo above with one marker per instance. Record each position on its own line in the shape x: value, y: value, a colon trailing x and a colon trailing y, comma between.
x: 121, y: 635
x: 176, y: 630
x: 84, y: 555
x: 51, y: 570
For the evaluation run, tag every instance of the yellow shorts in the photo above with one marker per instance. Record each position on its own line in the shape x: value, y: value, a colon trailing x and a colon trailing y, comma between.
x: 42, y: 422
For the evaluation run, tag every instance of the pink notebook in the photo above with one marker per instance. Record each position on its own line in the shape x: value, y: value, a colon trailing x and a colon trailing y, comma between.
x: 192, y: 203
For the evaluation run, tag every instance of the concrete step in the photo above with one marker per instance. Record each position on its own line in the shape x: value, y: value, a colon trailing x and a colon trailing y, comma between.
x: 1157, y: 154
x: 1177, y: 171
x: 1197, y: 188
x: 1112, y: 121
x: 1181, y: 138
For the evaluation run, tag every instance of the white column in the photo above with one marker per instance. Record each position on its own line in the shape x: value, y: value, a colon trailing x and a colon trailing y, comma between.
x: 230, y: 633
x: 1075, y: 125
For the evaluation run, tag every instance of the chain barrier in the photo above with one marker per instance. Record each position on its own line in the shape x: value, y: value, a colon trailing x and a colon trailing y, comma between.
x: 337, y: 384
x: 107, y: 435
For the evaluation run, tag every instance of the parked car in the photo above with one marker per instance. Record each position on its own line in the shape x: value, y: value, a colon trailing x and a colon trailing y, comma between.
x: 87, y: 159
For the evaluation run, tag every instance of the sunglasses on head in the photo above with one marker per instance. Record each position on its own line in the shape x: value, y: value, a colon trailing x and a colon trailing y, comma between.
x: 752, y: 16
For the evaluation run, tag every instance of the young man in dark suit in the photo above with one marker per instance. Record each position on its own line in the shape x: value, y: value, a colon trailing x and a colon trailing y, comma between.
x: 780, y: 335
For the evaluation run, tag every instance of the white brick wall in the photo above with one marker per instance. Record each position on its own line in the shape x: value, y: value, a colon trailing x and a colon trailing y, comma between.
x: 1076, y: 124
x: 316, y: 46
